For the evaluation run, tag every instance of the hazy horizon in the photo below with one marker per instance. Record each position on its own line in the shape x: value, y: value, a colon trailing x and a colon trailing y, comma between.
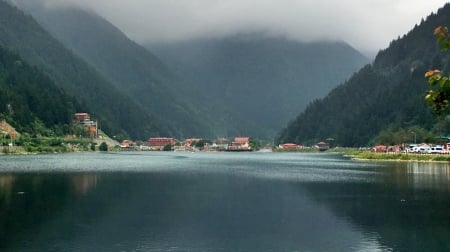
x: 366, y: 25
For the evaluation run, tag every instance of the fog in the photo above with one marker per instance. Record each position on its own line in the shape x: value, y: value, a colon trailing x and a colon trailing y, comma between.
x: 368, y: 25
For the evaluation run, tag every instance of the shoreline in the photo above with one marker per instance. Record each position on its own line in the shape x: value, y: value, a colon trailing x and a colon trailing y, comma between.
x: 397, y: 160
x: 355, y: 155
x: 398, y: 157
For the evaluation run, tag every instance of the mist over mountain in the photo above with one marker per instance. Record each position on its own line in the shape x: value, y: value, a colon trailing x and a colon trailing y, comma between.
x: 387, y: 95
x: 264, y: 79
x: 247, y: 84
x: 366, y: 25
x: 118, y: 113
x: 132, y: 69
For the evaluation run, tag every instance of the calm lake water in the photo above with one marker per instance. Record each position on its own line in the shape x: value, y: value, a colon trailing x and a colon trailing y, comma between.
x: 221, y: 202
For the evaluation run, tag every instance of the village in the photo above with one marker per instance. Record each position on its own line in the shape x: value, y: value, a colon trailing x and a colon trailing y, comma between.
x: 237, y: 144
x: 164, y: 143
x: 243, y: 143
x: 192, y: 144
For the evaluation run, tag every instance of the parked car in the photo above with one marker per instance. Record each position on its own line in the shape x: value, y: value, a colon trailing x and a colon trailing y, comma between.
x: 421, y: 149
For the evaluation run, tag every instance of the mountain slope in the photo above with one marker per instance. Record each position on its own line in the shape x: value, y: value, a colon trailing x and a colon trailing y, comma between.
x: 28, y: 96
x: 118, y: 113
x: 388, y: 93
x: 266, y: 80
x: 131, y: 68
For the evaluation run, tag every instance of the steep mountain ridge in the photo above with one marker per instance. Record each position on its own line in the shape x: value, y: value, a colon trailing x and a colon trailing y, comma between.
x: 118, y: 113
x: 246, y: 84
x: 28, y: 97
x: 132, y: 69
x: 388, y: 93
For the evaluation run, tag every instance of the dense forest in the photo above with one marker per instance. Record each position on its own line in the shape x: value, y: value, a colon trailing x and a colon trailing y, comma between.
x: 261, y: 78
x: 118, y: 114
x: 30, y: 101
x: 132, y: 69
x: 246, y: 84
x: 385, y: 96
x: 241, y: 85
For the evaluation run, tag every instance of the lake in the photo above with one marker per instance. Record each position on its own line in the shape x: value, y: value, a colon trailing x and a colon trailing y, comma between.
x: 177, y: 201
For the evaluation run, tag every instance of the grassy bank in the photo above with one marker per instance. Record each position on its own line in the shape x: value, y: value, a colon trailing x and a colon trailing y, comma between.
x: 368, y: 155
x: 28, y: 145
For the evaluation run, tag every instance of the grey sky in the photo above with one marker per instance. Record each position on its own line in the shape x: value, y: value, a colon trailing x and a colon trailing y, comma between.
x: 368, y: 25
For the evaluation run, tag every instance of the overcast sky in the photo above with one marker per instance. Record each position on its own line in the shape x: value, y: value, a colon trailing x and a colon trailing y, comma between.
x: 368, y: 25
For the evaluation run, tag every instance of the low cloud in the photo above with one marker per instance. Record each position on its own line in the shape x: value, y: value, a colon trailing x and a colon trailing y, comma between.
x: 368, y: 25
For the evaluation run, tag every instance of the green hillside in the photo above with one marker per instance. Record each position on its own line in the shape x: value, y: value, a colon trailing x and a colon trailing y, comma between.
x: 29, y: 99
x: 132, y: 69
x: 387, y: 95
x: 119, y: 114
x: 241, y: 85
x: 262, y: 79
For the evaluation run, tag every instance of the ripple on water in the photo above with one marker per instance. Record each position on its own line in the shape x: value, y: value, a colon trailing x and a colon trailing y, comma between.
x: 309, y: 167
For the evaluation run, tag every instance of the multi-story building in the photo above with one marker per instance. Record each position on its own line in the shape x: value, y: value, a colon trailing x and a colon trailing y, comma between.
x: 240, y: 144
x: 91, y: 126
x: 158, y: 143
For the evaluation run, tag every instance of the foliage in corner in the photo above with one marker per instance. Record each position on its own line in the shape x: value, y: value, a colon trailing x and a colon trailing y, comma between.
x: 439, y: 96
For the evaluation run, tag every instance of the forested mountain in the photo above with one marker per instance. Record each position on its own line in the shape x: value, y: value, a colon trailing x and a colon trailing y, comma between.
x: 246, y: 84
x: 118, y: 113
x: 261, y: 78
x: 132, y: 69
x: 386, y: 94
x: 28, y: 98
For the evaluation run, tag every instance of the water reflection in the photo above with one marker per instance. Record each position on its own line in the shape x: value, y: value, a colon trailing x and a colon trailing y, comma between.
x: 406, y: 209
x: 6, y: 184
x: 27, y: 201
x: 83, y: 183
x: 429, y: 175
x: 225, y: 203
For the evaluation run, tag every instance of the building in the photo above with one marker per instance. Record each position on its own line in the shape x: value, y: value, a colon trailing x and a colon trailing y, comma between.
x: 290, y: 146
x: 158, y: 143
x: 81, y: 118
x: 89, y: 125
x: 7, y: 130
x: 240, y: 144
x: 380, y: 148
x: 127, y: 143
x: 220, y: 144
x: 190, y: 141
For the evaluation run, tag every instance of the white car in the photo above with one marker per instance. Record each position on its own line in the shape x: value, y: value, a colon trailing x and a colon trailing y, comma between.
x: 436, y: 150
x: 421, y: 149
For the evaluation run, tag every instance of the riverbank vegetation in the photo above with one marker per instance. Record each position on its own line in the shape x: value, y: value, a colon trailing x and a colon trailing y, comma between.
x: 369, y: 155
x: 365, y: 154
x: 33, y: 145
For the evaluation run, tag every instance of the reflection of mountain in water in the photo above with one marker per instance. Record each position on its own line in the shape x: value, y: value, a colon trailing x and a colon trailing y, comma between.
x: 249, y: 206
x: 27, y: 201
x: 197, y: 211
x: 408, y: 209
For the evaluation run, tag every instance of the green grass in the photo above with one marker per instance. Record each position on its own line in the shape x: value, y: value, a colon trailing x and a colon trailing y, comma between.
x: 397, y: 156
x: 52, y: 144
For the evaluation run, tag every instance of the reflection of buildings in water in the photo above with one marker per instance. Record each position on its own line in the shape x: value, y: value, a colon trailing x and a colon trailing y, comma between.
x: 83, y: 183
x: 6, y: 186
x: 6, y: 182
x: 428, y: 175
